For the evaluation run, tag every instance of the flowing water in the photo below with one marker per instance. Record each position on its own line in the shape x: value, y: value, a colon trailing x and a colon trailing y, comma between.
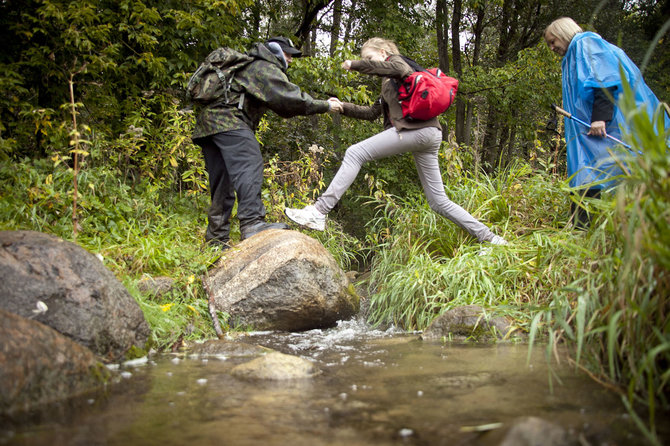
x: 376, y: 388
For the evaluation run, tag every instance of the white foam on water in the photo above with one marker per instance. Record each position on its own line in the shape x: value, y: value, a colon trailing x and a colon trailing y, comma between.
x: 136, y: 362
x: 404, y: 433
x: 338, y: 338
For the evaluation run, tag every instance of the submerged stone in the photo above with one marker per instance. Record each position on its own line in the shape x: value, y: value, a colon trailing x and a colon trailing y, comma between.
x: 277, y: 367
x: 219, y: 348
x: 534, y: 431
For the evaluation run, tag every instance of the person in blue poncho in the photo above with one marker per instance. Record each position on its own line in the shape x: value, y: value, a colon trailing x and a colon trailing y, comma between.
x: 592, y: 83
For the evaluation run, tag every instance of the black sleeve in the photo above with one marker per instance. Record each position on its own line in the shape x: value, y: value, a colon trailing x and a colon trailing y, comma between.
x: 603, y: 107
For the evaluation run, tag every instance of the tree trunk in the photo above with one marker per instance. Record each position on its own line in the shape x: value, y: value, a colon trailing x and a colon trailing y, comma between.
x: 506, y: 30
x: 458, y: 67
x: 490, y: 148
x: 350, y: 22
x: 442, y: 31
x: 310, y: 11
x: 441, y: 21
x: 335, y: 28
x: 505, y: 149
x: 511, y: 143
x: 256, y: 20
x: 478, y: 30
x: 312, y: 40
x: 306, y: 46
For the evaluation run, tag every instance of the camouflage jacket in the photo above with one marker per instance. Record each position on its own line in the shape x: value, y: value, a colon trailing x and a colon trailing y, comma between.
x: 392, y: 71
x: 265, y: 86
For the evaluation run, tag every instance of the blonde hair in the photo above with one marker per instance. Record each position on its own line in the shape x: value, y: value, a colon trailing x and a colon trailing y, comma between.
x: 381, y: 44
x: 563, y: 28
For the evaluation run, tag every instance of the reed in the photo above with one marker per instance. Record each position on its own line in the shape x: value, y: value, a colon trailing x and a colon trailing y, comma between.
x: 426, y: 265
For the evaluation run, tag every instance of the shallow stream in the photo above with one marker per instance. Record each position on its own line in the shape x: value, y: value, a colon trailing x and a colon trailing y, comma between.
x: 376, y: 388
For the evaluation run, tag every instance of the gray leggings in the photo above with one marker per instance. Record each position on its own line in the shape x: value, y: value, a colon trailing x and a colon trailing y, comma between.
x: 424, y: 144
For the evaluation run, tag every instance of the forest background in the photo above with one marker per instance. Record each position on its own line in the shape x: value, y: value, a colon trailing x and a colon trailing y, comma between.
x: 95, y: 147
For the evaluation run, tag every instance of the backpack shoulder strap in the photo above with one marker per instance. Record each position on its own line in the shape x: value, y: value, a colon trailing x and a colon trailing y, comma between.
x: 412, y: 64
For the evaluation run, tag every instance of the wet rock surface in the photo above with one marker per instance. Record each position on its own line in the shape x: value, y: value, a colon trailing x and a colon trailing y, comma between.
x: 534, y: 431
x: 225, y: 349
x: 38, y: 365
x: 470, y: 321
x: 281, y: 280
x: 376, y: 388
x: 62, y: 285
x: 467, y: 381
x: 277, y: 367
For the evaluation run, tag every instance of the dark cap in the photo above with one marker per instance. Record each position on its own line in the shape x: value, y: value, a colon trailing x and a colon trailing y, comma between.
x: 286, y: 46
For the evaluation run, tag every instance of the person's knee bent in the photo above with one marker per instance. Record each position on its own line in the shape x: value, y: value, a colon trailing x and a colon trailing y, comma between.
x: 437, y: 201
x: 441, y: 207
x: 356, y: 154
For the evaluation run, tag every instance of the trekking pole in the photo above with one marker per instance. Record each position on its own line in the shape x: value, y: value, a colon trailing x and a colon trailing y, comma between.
x: 569, y: 116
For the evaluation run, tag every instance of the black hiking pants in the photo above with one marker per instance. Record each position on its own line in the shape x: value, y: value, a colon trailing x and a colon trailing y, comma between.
x: 235, y: 166
x: 581, y: 218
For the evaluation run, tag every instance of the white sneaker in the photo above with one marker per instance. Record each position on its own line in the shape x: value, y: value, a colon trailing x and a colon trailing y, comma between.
x: 497, y: 240
x: 308, y: 216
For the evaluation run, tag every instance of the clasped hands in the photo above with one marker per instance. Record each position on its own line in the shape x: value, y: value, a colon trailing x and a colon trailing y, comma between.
x: 335, y: 105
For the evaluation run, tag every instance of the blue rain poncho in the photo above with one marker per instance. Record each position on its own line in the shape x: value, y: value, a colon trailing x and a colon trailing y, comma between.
x: 591, y: 63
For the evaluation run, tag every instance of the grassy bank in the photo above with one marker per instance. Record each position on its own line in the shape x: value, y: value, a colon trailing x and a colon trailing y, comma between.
x: 142, y: 229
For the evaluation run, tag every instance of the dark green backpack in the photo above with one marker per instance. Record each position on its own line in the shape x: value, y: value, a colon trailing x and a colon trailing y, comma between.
x: 213, y: 79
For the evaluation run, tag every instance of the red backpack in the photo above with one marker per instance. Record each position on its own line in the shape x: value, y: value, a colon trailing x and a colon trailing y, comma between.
x: 426, y: 94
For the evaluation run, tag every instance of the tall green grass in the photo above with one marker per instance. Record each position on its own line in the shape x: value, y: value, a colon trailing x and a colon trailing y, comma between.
x: 426, y: 265
x: 138, y: 227
x: 622, y: 320
x: 603, y: 293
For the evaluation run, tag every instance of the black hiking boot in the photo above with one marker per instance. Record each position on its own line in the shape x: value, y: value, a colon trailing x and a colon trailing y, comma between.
x: 256, y: 226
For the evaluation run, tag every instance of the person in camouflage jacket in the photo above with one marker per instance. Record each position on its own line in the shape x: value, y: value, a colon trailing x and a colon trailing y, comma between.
x: 225, y: 132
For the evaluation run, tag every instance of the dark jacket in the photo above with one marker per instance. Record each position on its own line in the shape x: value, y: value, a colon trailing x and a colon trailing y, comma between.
x: 265, y: 86
x: 393, y: 71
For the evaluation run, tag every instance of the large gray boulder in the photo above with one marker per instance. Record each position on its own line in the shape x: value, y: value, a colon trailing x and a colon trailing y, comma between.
x: 38, y: 365
x: 281, y: 280
x: 62, y: 285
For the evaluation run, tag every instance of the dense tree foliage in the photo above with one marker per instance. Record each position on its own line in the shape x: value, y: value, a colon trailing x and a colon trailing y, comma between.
x: 132, y: 57
x: 131, y: 54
